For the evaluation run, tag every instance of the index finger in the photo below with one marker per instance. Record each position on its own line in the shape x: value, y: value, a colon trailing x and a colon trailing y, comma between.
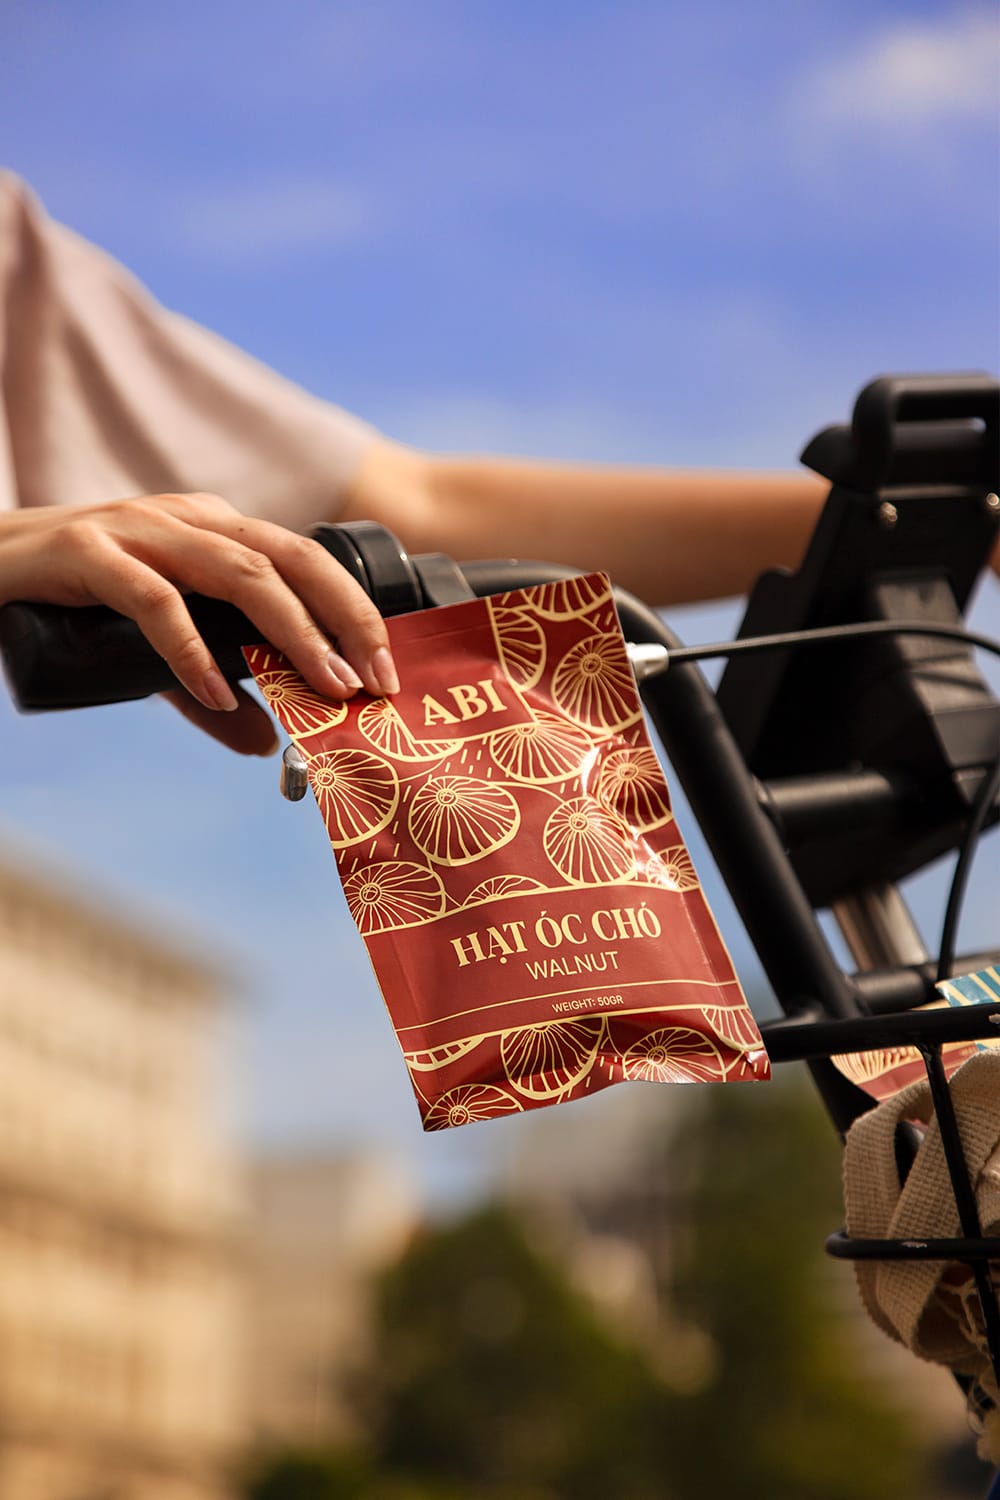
x: 335, y: 601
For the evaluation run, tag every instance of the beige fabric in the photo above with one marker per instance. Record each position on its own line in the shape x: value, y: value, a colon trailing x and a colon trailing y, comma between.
x: 106, y: 394
x: 930, y: 1307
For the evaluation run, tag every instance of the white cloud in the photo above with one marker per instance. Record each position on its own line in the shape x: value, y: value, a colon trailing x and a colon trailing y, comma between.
x: 912, y: 75
x: 268, y: 219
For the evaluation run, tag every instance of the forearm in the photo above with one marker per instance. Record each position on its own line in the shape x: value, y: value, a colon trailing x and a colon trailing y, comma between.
x: 672, y: 536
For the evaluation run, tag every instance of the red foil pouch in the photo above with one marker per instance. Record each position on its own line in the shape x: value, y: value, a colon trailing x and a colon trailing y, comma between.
x: 883, y: 1073
x: 504, y: 835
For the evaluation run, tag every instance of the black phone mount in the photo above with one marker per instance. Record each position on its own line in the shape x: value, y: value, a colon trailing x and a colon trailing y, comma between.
x: 907, y: 528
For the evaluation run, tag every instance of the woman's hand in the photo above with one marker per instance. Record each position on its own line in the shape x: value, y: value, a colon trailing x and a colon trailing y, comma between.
x: 140, y: 556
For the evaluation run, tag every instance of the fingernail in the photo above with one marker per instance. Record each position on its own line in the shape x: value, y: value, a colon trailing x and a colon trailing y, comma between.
x: 385, y: 670
x: 217, y: 692
x: 343, y: 671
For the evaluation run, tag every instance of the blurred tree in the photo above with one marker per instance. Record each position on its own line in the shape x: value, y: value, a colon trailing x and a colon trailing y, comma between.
x: 319, y: 1474
x: 786, y: 1413
x: 494, y: 1379
x: 495, y: 1374
x: 304, y: 1474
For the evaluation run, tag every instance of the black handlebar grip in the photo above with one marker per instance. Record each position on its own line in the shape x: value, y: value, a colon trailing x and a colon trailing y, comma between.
x: 61, y: 657
x: 58, y: 657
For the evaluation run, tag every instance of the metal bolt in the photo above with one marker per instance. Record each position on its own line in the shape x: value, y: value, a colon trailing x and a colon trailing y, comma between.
x: 992, y: 501
x: 294, y: 775
x: 647, y: 660
x: 887, y: 515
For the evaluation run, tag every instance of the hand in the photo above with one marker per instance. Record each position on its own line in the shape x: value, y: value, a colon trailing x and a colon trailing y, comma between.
x: 139, y: 556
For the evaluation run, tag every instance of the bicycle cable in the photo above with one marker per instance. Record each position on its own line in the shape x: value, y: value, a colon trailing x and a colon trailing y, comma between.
x: 652, y: 665
x: 656, y: 659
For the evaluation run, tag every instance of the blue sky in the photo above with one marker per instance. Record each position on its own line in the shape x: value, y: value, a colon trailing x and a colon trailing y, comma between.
x: 682, y: 233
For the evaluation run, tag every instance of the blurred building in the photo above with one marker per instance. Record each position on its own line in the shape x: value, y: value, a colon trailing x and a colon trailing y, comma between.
x: 321, y: 1227
x: 120, y: 1294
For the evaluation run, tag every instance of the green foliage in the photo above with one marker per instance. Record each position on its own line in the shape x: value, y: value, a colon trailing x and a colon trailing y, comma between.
x: 787, y: 1413
x: 303, y: 1474
x: 497, y: 1375
x: 493, y: 1379
x: 317, y: 1474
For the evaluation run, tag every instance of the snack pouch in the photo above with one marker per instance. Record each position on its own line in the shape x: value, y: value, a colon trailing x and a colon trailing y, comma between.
x: 883, y: 1073
x: 504, y: 835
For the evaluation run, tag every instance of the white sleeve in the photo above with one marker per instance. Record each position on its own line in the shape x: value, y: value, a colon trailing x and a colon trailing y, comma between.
x: 106, y: 394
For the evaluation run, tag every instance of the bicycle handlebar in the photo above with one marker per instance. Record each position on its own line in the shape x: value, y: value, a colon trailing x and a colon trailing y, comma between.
x: 935, y: 429
x: 58, y: 657
x: 795, y: 819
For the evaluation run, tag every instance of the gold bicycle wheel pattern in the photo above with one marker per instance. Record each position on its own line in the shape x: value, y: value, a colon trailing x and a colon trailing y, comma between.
x: 384, y: 727
x: 676, y: 1054
x: 587, y: 844
x: 434, y: 1058
x: 499, y: 887
x: 570, y: 598
x: 631, y: 785
x: 735, y: 1025
x: 394, y: 894
x: 302, y: 711
x: 672, y: 869
x: 545, y: 1061
x: 521, y: 644
x: 471, y: 1102
x: 863, y: 1067
x: 455, y: 820
x: 593, y: 683
x: 357, y: 793
x: 550, y: 748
